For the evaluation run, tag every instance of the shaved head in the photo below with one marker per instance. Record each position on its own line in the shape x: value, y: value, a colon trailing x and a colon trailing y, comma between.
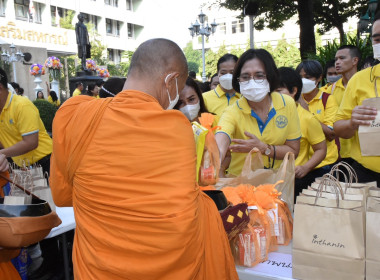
x: 155, y: 57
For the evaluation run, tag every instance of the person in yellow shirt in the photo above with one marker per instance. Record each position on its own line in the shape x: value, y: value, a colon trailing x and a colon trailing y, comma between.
x: 22, y: 133
x: 312, y: 133
x: 52, y: 96
x: 78, y: 89
x: 331, y: 75
x: 223, y: 95
x: 352, y: 114
x: 347, y: 59
x: 322, y: 105
x: 261, y: 118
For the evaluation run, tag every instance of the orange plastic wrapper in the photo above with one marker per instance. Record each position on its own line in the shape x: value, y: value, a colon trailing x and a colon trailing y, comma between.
x: 272, y: 213
x: 209, y: 169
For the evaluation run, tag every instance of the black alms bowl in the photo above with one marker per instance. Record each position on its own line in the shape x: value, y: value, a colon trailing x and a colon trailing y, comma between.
x: 218, y: 197
x: 38, y: 208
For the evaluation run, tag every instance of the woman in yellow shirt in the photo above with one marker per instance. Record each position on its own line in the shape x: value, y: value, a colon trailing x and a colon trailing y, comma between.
x: 312, y: 133
x: 52, y: 96
x: 262, y: 118
x: 322, y: 105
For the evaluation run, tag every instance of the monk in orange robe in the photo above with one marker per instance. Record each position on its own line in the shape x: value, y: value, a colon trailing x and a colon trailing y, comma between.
x: 127, y: 165
x: 7, y: 270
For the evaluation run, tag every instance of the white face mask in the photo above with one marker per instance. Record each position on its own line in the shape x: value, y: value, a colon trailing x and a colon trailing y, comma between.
x: 376, y: 51
x: 226, y: 81
x: 172, y: 103
x: 191, y: 111
x: 255, y: 91
x: 308, y: 85
x: 333, y: 79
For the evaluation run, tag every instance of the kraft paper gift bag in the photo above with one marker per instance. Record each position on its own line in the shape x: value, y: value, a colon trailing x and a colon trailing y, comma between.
x: 328, y: 239
x: 373, y: 239
x: 42, y: 190
x: 369, y: 136
x: 253, y: 173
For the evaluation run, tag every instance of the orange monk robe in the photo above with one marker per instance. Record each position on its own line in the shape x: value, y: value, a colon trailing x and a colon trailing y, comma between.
x: 138, y: 210
x: 7, y: 270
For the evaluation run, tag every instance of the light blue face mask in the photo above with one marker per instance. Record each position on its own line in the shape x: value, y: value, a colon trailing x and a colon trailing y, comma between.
x: 333, y: 79
x: 173, y: 102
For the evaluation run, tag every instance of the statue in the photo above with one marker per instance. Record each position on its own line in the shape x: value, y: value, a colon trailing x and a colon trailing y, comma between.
x: 84, y: 46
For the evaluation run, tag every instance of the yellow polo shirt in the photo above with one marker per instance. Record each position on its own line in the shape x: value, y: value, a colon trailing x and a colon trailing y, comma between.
x: 282, y: 125
x: 19, y: 118
x: 326, y: 88
x: 312, y: 134
x: 76, y: 92
x: 56, y: 103
x: 327, y: 117
x: 217, y: 100
x: 360, y: 87
x: 338, y: 92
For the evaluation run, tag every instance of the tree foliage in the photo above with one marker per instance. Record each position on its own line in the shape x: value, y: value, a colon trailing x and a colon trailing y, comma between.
x: 67, y: 21
x: 194, y: 58
x: 285, y: 54
x: 328, y: 14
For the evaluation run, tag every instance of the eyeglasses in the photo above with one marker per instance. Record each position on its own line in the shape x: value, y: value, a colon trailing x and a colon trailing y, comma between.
x: 258, y: 78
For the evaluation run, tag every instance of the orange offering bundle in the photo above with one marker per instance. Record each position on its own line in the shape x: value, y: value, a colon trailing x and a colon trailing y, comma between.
x: 210, y: 164
x: 270, y: 222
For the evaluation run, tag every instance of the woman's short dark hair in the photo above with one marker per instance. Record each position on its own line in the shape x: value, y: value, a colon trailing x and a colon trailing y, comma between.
x: 311, y: 67
x: 193, y: 84
x: 53, y: 95
x: 289, y: 79
x: 224, y: 58
x: 213, y: 76
x: 266, y: 58
x: 90, y: 88
x: 112, y: 87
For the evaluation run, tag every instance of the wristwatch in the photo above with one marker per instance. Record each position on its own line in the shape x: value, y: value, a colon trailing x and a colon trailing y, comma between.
x: 267, y: 151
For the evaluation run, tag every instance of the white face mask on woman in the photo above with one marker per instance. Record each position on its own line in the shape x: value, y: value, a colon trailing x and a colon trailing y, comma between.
x: 308, y: 85
x: 255, y: 91
x: 376, y: 51
x: 173, y: 102
x: 225, y: 81
x: 191, y: 111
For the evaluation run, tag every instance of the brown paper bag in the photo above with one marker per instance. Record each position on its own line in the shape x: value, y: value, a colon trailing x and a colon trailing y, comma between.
x: 369, y: 136
x: 253, y: 173
x: 373, y: 239
x: 328, y: 239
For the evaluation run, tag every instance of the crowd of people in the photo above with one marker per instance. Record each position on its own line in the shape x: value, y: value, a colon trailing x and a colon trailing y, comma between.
x: 126, y: 162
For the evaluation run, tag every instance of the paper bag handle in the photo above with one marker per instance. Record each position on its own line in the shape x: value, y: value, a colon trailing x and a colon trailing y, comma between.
x: 328, y: 178
x: 351, y: 174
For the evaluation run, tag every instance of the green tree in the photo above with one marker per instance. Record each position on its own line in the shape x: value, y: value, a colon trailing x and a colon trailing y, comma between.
x: 286, y: 54
x: 193, y: 57
x: 212, y: 58
x: 66, y: 22
x: 327, y: 13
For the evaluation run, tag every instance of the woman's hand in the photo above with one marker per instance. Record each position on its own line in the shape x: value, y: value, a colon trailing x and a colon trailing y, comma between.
x: 245, y: 146
x: 301, y: 171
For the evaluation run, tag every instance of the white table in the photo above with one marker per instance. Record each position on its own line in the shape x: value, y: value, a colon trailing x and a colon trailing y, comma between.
x: 246, y: 273
x: 66, y: 214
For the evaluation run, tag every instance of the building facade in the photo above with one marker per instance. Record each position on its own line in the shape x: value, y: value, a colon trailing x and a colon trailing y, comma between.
x: 42, y: 28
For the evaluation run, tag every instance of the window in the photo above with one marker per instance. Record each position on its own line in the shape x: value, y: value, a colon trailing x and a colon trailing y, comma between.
x: 113, y: 3
x: 22, y: 9
x: 113, y: 27
x: 91, y: 19
x: 109, y: 26
x: 56, y: 14
x: 37, y: 16
x: 118, y: 56
x: 234, y: 27
x: 110, y: 54
x: 2, y: 7
x: 222, y: 28
x: 241, y: 25
x: 131, y: 30
x: 129, y: 5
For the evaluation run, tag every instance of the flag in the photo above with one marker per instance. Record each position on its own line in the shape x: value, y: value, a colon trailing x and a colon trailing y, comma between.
x: 31, y: 11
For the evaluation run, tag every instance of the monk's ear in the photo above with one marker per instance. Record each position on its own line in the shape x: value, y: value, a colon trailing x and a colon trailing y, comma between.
x: 171, y: 78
